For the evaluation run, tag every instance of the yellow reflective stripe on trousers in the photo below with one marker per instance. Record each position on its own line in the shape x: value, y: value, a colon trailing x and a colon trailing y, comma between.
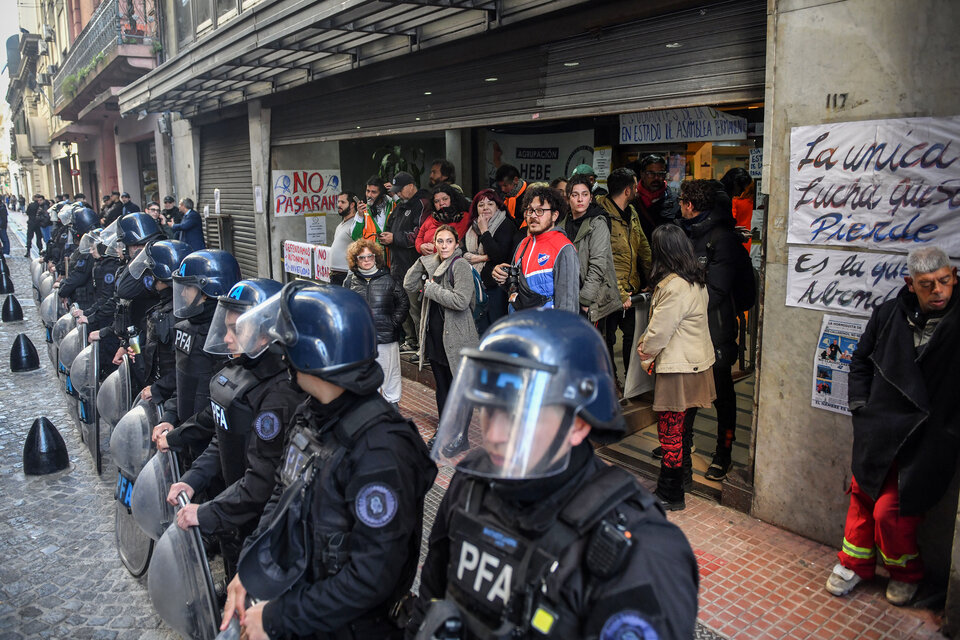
x: 901, y: 561
x: 856, y: 552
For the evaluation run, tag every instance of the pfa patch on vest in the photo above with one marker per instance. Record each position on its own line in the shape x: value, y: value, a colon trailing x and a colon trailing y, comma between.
x: 184, y: 341
x: 627, y: 625
x: 376, y: 505
x: 267, y: 425
x: 148, y: 282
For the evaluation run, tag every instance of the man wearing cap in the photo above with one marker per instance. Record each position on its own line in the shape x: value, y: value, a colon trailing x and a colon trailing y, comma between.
x: 399, y: 236
x: 587, y: 170
x: 129, y: 206
x: 170, y: 211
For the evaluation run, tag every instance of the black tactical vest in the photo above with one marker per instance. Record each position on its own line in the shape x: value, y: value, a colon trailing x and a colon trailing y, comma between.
x: 194, y: 367
x: 236, y: 393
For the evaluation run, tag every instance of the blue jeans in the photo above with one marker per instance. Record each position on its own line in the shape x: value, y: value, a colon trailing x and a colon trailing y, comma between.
x: 46, y: 231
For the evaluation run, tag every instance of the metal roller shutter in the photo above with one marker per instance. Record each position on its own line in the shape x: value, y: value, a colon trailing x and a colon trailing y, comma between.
x: 225, y: 165
x: 625, y: 67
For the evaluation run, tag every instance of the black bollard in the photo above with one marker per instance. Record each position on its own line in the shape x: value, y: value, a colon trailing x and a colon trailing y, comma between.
x: 23, y: 355
x: 44, y: 451
x: 6, y: 284
x: 12, y: 311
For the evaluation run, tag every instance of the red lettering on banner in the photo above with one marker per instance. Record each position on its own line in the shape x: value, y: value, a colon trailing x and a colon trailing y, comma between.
x: 300, y: 181
x: 319, y: 176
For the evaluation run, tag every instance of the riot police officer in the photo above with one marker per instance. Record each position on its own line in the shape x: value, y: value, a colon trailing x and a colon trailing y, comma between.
x: 352, y: 482
x: 202, y: 278
x: 159, y: 259
x: 252, y: 399
x: 78, y: 286
x: 536, y: 536
x: 107, y: 262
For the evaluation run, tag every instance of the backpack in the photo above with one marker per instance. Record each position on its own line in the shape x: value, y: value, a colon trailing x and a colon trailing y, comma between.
x: 744, y: 289
x: 479, y: 304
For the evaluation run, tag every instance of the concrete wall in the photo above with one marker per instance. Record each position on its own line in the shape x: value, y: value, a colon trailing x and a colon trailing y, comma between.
x: 892, y: 59
x: 185, y: 149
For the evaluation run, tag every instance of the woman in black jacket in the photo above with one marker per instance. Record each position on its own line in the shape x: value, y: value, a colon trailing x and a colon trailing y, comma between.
x: 488, y: 243
x: 388, y: 301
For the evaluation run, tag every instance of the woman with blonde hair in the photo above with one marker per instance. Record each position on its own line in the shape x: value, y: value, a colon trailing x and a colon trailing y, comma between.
x: 389, y: 304
x: 677, y: 346
x: 445, y: 282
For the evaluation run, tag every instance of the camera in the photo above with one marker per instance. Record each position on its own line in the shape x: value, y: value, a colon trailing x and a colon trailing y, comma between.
x: 513, y: 278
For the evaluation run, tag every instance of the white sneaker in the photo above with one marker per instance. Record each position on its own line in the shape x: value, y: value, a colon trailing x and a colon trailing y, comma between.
x: 842, y: 580
x: 900, y: 593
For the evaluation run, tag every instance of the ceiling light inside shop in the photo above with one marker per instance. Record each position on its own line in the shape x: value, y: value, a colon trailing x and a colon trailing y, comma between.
x: 491, y: 79
x: 571, y: 64
x: 428, y: 93
x: 674, y: 45
x: 418, y: 119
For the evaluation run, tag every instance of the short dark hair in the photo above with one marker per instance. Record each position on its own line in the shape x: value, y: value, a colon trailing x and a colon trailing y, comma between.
x: 620, y: 179
x: 78, y: 196
x: 351, y: 197
x: 446, y: 169
x: 555, y: 183
x: 672, y: 252
x: 702, y: 194
x: 376, y: 181
x: 169, y: 199
x: 548, y: 195
x: 506, y: 171
x: 115, y: 193
x: 187, y: 202
x: 653, y: 158
x: 580, y: 178
x: 735, y: 181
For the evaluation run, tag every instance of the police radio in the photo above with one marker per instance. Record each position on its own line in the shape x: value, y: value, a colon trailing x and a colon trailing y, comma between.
x: 608, y: 549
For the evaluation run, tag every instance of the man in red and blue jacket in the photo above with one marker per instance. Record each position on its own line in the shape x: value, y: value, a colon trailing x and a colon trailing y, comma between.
x: 546, y: 262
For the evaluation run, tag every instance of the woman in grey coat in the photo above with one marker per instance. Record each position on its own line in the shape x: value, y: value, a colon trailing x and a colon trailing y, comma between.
x: 445, y: 283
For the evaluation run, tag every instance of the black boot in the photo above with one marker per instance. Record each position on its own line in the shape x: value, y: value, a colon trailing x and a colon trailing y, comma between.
x: 719, y: 466
x: 670, y: 488
x: 686, y: 462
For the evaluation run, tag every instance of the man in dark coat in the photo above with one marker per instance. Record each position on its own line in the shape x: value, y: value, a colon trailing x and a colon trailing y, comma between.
x: 906, y: 430
x: 33, y: 224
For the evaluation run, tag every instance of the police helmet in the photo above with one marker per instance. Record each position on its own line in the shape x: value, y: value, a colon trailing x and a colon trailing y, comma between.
x: 84, y: 219
x: 210, y: 272
x: 223, y: 338
x: 64, y: 213
x: 138, y: 228
x: 324, y: 330
x: 88, y: 241
x: 162, y: 258
x: 532, y: 374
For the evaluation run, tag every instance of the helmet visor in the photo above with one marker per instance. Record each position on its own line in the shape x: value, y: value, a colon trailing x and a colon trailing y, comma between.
x: 88, y: 242
x: 187, y: 299
x: 222, y: 338
x: 257, y: 328
x: 65, y: 215
x: 512, y: 420
x: 139, y: 265
x: 110, y: 234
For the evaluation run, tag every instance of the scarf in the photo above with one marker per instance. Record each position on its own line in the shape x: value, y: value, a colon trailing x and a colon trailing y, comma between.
x: 447, y: 215
x: 472, y: 241
x: 647, y: 198
x: 368, y: 273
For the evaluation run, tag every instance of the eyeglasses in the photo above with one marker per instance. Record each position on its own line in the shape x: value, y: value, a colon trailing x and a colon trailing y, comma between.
x: 368, y: 256
x: 539, y: 213
x: 656, y: 174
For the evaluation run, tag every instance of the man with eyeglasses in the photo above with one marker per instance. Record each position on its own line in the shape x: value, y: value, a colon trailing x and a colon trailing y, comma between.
x: 656, y: 201
x: 546, y: 270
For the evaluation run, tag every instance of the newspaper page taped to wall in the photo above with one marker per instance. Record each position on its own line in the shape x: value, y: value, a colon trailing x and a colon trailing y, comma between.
x: 837, y: 341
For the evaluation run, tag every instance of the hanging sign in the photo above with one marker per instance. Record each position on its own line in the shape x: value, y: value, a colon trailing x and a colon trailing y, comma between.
x: 298, y: 192
x: 321, y: 263
x: 694, y: 124
x: 296, y: 258
x: 316, y: 229
x: 889, y: 185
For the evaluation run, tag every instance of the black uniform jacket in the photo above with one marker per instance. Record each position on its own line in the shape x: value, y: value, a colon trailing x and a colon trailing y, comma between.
x: 387, y: 459
x: 658, y: 582
x: 909, y: 416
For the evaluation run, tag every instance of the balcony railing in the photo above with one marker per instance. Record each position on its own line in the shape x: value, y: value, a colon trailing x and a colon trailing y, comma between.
x: 114, y: 22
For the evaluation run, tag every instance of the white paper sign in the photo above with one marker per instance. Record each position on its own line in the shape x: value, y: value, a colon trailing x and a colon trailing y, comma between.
x: 216, y: 201
x: 681, y: 125
x: 258, y: 199
x: 316, y: 229
x: 602, y: 159
x: 538, y: 157
x: 836, y: 343
x: 321, y: 263
x: 888, y: 185
x: 756, y: 163
x: 298, y: 192
x: 296, y: 258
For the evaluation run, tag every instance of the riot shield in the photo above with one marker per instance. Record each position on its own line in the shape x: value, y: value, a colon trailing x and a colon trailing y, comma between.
x: 70, y: 348
x: 61, y: 328
x: 115, y: 395
x: 180, y: 584
x: 49, y: 313
x: 84, y: 377
x: 130, y: 443
x: 149, y: 499
x: 36, y: 270
x: 637, y: 380
x: 133, y: 545
x: 46, y: 284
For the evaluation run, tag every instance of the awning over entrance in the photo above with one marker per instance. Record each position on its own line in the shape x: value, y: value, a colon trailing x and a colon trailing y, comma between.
x: 282, y: 44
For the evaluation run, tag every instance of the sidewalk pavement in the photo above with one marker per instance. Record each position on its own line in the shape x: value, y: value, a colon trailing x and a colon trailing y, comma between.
x: 757, y: 582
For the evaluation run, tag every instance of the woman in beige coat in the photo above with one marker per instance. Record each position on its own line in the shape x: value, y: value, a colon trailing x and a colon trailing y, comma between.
x: 445, y: 282
x: 677, y: 346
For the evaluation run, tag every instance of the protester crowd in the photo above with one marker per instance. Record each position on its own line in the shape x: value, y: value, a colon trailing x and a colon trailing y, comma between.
x: 282, y: 402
